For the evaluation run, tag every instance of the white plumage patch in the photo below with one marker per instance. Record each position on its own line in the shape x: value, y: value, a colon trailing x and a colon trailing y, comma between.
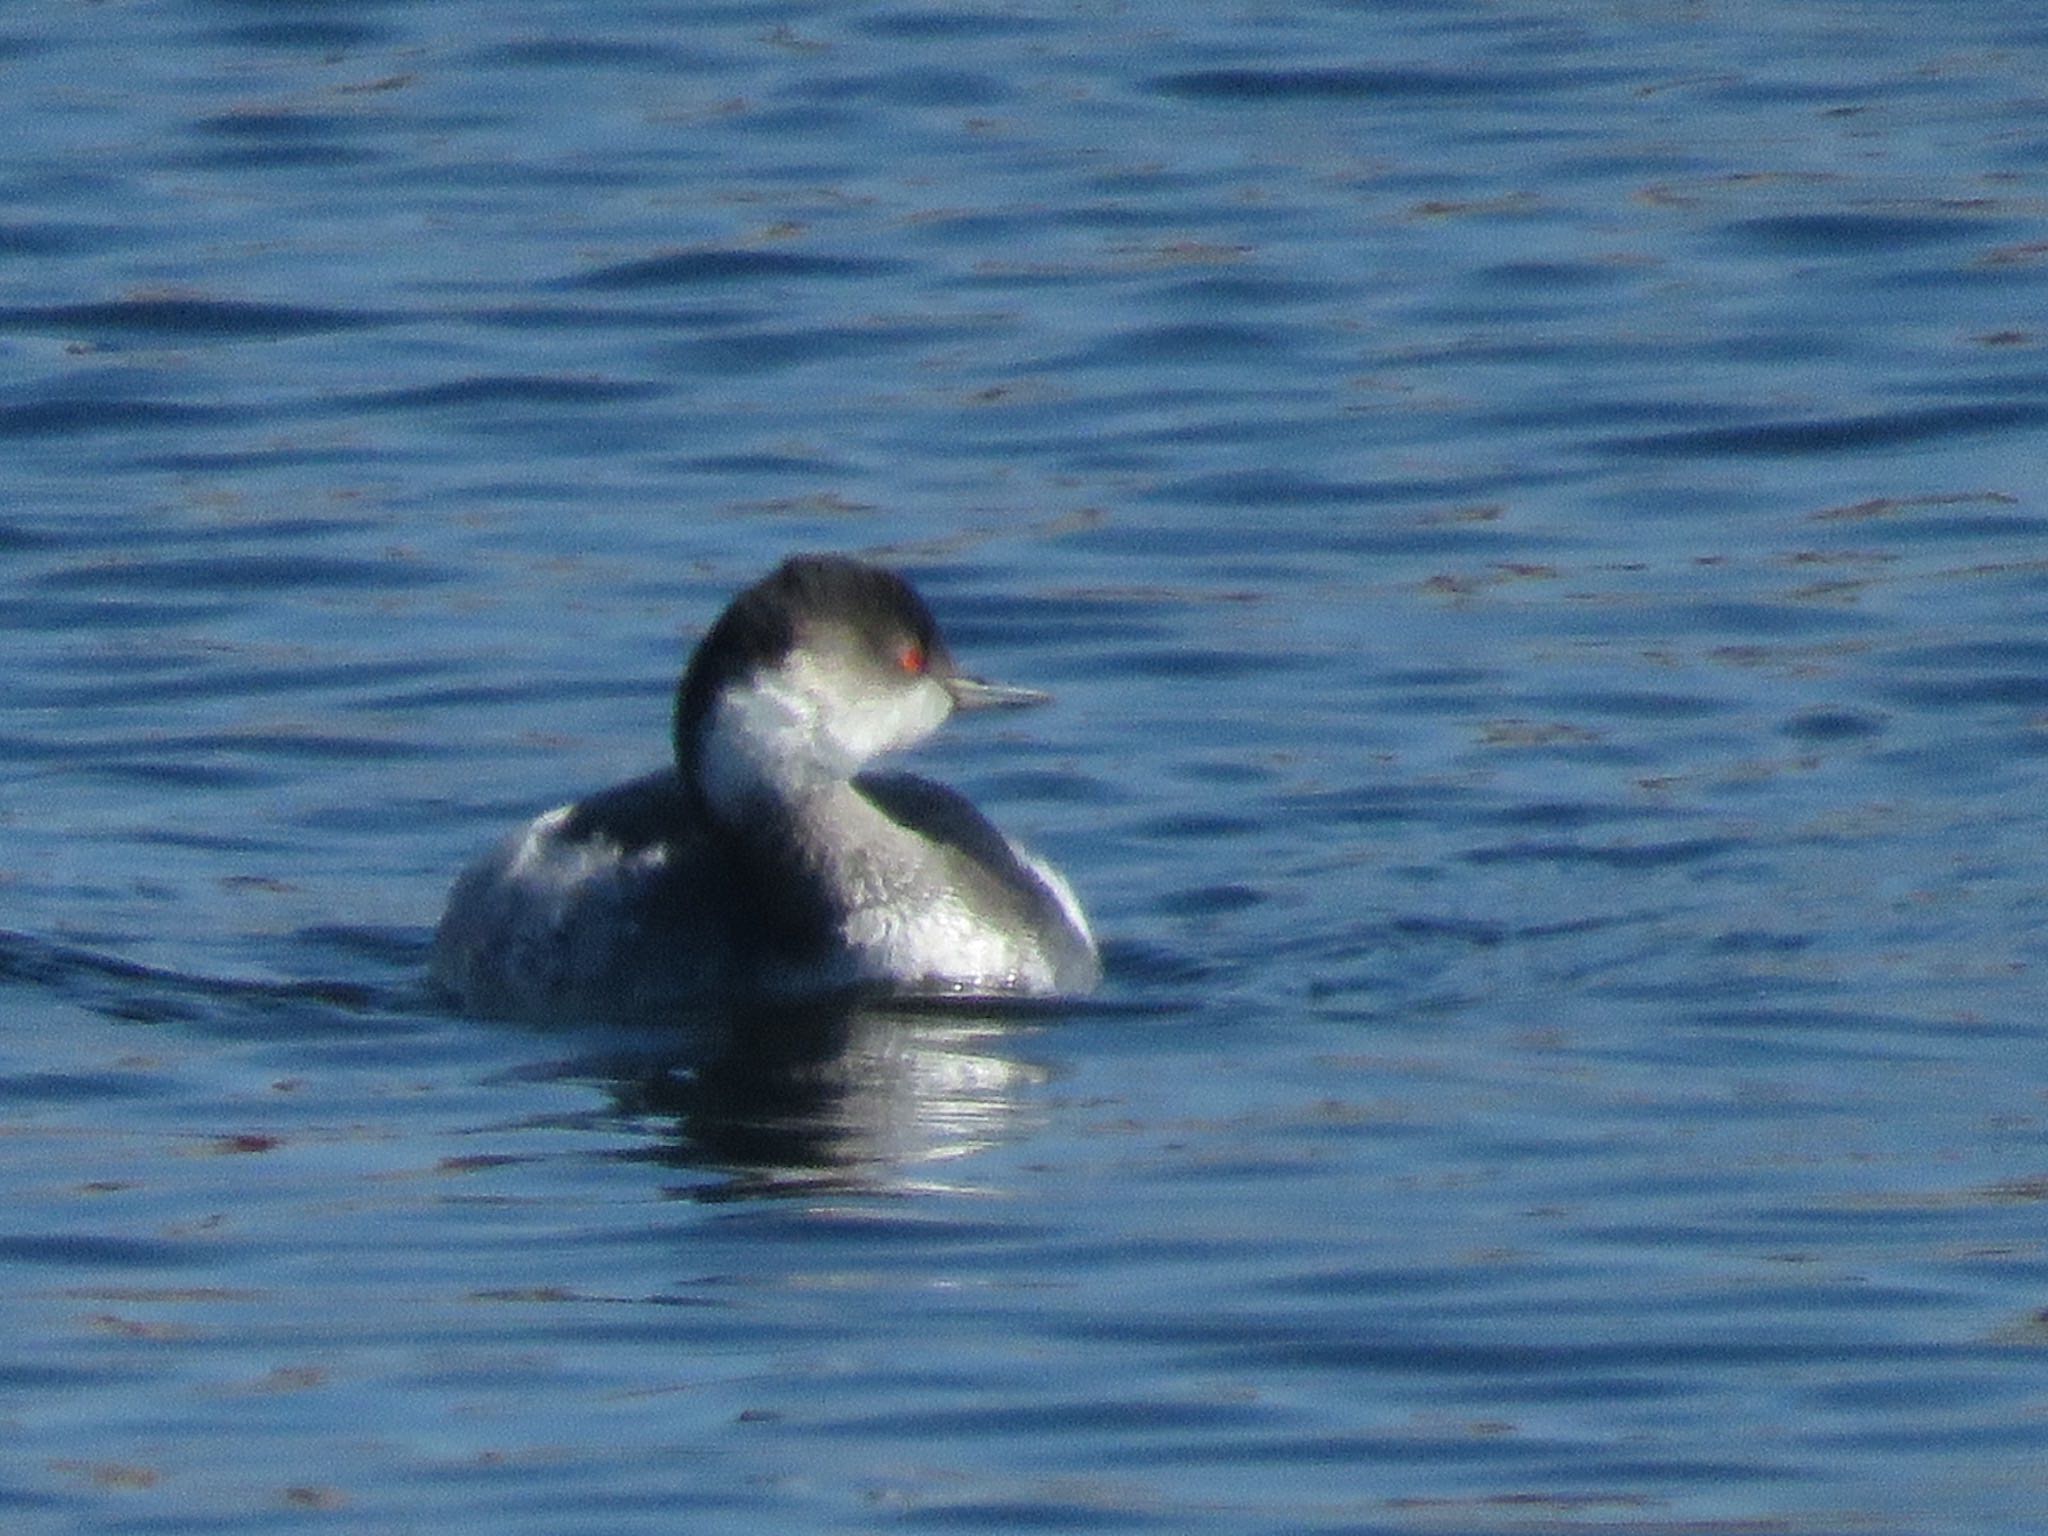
x: 538, y: 924
x: 809, y: 722
x: 942, y: 943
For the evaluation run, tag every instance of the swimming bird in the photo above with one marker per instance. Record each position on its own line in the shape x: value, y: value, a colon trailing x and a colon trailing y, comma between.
x: 771, y: 863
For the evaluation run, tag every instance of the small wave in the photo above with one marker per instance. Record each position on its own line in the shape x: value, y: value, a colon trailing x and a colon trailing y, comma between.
x: 76, y: 417
x: 188, y: 318
x: 505, y: 389
x: 1351, y: 83
x: 128, y: 989
x: 1836, y: 434
x: 1850, y: 234
x: 686, y: 269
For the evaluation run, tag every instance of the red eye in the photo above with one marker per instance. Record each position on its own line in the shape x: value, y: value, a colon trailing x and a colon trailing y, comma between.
x: 912, y: 659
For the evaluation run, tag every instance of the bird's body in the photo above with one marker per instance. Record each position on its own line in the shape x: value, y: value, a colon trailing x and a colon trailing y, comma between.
x: 769, y: 864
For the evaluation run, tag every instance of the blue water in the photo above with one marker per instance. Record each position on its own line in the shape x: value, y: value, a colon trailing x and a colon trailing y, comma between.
x: 1533, y: 516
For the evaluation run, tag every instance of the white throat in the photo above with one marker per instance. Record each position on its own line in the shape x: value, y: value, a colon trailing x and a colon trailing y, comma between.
x: 802, y: 727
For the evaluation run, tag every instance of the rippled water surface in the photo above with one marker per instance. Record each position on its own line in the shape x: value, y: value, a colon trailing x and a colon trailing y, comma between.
x: 1534, y: 517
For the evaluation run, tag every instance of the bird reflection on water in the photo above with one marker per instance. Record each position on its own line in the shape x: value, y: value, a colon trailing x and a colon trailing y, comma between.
x: 868, y: 1097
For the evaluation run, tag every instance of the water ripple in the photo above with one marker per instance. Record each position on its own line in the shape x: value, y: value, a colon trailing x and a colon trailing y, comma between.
x: 1843, y: 434
x: 1338, y: 83
x: 189, y: 319
x: 702, y: 268
x: 63, y: 418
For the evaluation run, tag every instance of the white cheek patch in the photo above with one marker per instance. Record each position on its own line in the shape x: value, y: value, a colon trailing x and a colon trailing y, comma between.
x: 872, y: 716
x: 808, y: 722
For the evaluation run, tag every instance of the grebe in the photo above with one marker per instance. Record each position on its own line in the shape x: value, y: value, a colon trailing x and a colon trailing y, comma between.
x: 770, y: 864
